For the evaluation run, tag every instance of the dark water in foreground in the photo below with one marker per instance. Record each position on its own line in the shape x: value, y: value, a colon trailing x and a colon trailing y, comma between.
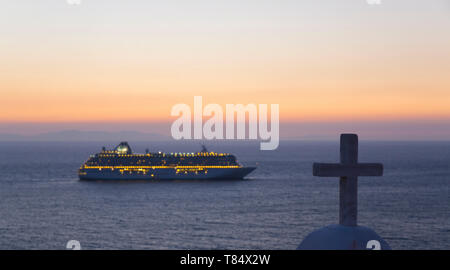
x: 43, y: 205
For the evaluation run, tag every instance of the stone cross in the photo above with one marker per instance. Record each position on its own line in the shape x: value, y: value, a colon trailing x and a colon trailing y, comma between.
x: 348, y: 170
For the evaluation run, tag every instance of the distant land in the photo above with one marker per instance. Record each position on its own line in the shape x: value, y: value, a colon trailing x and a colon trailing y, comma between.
x: 77, y: 135
x: 73, y: 135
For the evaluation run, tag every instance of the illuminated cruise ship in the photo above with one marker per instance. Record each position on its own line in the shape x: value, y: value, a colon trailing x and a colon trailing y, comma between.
x: 122, y: 164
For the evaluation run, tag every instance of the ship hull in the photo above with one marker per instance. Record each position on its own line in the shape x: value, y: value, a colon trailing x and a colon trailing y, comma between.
x: 165, y: 174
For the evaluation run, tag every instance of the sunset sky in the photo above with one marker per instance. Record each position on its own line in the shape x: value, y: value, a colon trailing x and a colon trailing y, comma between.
x: 380, y: 70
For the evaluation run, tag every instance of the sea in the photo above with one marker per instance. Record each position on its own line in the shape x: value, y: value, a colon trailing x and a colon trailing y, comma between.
x: 43, y: 205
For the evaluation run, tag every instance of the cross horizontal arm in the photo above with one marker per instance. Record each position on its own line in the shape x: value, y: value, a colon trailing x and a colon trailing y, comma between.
x: 342, y: 170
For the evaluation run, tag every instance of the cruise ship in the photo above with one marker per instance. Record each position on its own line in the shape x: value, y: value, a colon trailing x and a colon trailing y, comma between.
x: 122, y: 164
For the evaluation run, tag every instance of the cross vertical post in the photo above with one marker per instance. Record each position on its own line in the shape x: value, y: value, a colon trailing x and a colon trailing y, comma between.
x: 348, y: 185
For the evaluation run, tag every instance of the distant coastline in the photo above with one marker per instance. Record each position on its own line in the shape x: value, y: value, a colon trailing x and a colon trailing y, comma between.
x: 73, y: 135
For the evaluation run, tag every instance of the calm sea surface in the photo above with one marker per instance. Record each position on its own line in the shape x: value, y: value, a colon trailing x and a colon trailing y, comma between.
x: 43, y: 205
